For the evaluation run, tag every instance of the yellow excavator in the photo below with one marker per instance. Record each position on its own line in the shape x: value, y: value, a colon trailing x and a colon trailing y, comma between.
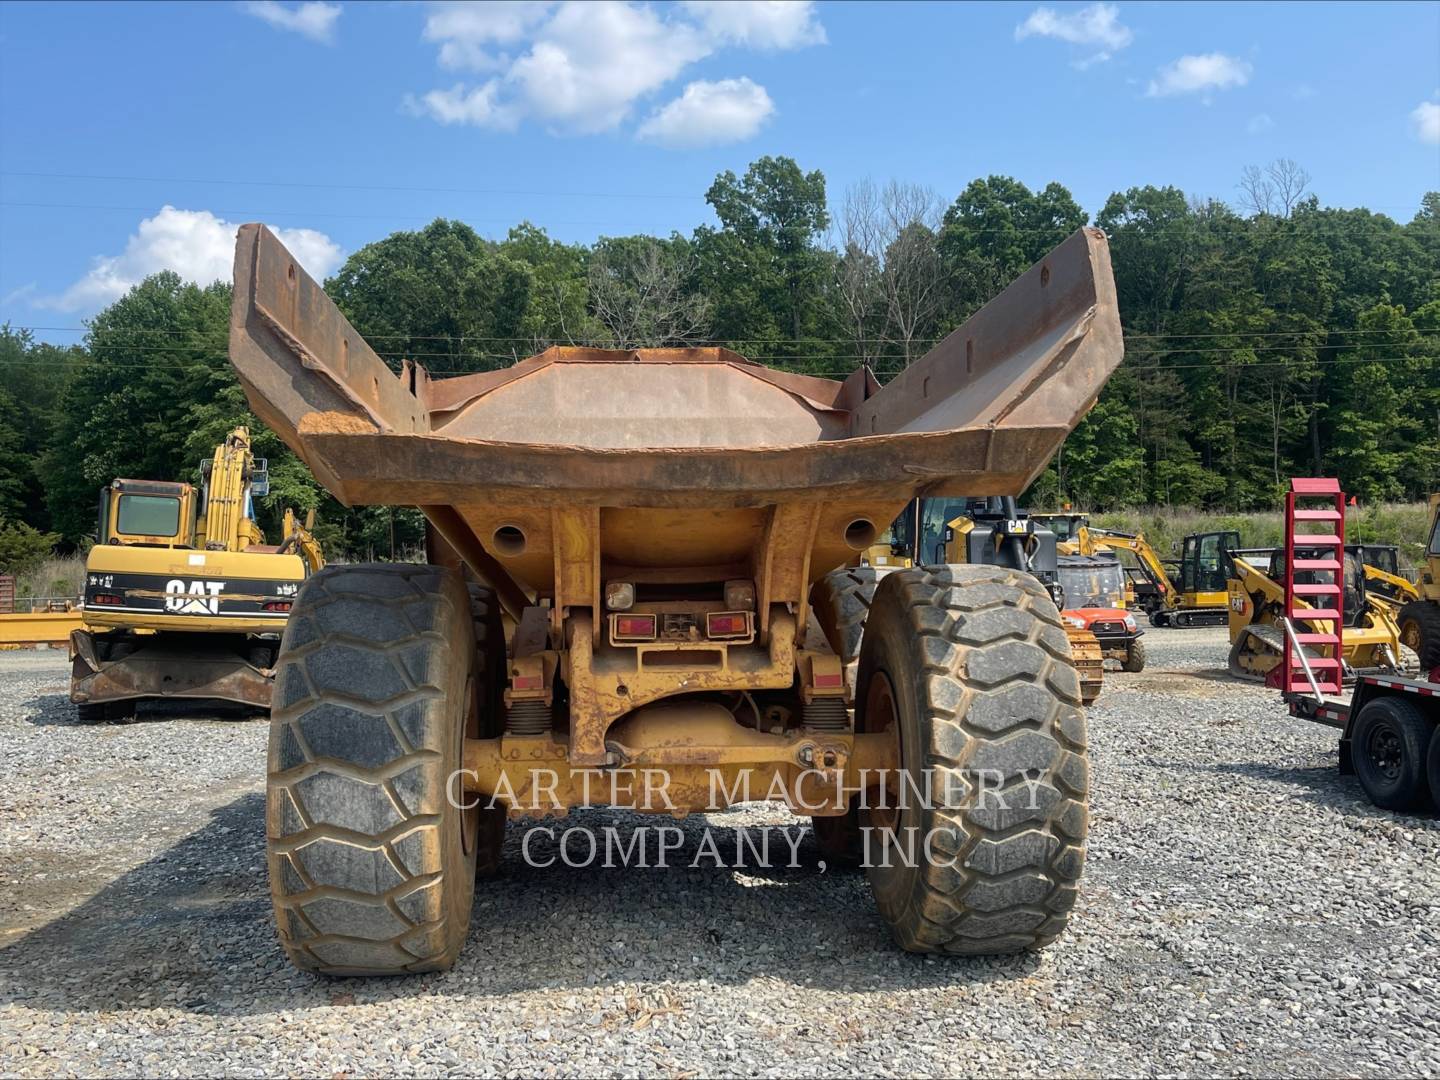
x: 183, y: 597
x: 1154, y: 591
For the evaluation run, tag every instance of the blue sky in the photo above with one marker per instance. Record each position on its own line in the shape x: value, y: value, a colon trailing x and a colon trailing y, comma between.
x: 343, y: 121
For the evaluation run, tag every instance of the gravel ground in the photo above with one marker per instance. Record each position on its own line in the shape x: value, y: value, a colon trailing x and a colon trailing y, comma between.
x: 1245, y: 911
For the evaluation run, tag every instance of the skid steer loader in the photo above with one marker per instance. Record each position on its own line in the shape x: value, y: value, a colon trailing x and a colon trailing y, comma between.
x: 626, y: 547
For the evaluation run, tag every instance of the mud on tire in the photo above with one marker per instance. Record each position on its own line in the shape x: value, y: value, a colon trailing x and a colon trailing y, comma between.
x: 1134, y: 657
x: 978, y: 667
x: 372, y: 868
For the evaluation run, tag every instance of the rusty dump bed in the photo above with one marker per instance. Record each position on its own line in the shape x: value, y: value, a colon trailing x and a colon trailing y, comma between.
x: 693, y: 456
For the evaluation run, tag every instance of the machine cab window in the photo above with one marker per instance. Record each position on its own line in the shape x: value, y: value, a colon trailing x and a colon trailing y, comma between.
x: 147, y: 515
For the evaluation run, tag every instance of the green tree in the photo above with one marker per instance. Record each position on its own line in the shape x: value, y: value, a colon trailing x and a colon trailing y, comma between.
x: 153, y: 358
x: 763, y: 269
x: 442, y: 296
x: 994, y: 231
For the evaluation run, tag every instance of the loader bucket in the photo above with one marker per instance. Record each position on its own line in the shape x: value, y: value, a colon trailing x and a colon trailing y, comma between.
x: 685, y: 461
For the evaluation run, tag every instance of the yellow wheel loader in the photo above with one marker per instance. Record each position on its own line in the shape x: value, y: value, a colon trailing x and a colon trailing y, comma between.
x: 183, y: 598
x: 1420, y: 617
x: 626, y: 548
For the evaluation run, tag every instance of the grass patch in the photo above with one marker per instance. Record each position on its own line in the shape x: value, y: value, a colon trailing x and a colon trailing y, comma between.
x: 1401, y: 524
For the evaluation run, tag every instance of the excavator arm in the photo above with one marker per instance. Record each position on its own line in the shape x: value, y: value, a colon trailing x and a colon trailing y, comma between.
x: 299, y: 539
x: 1093, y: 540
x: 227, y: 525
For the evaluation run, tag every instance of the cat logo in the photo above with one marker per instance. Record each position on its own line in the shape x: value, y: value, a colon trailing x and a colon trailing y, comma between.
x: 193, y: 597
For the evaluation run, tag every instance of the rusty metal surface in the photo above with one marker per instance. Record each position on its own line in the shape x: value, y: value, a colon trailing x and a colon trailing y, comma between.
x: 683, y: 758
x: 672, y: 465
x: 28, y: 629
x: 981, y: 413
x: 162, y: 669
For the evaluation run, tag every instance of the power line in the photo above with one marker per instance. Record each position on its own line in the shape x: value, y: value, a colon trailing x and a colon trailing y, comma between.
x: 223, y: 359
x: 231, y: 182
x: 769, y: 341
x: 257, y: 214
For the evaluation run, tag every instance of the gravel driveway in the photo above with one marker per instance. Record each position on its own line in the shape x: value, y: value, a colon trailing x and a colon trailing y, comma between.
x: 1244, y: 910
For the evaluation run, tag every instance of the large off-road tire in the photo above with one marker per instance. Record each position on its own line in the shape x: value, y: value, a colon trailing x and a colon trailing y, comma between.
x: 372, y: 862
x: 1389, y: 744
x: 1420, y: 631
x: 972, y: 665
x: 92, y: 712
x: 1134, y: 657
x: 490, y: 682
x: 841, y: 602
x: 107, y: 712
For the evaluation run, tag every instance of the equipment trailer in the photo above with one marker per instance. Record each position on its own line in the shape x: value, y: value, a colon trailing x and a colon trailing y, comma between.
x: 1390, y: 726
x: 626, y: 548
x: 1389, y: 737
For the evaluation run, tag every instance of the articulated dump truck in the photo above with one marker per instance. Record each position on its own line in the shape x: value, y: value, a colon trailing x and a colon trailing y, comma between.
x: 636, y: 596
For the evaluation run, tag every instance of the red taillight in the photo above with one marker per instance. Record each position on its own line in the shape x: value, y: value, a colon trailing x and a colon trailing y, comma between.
x: 278, y: 605
x: 822, y: 681
x: 105, y: 599
x: 727, y: 624
x: 634, y: 627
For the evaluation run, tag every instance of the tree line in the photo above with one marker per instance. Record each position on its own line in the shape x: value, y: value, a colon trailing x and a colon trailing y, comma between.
x: 1267, y: 339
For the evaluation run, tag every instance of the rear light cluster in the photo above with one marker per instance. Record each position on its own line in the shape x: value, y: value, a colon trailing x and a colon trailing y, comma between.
x: 634, y: 627
x: 719, y: 626
x: 105, y: 599
x: 727, y: 625
x: 277, y: 605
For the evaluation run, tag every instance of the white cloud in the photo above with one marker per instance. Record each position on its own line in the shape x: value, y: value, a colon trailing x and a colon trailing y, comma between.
x: 313, y: 18
x: 476, y: 105
x: 583, y: 67
x: 709, y: 114
x: 593, y: 60
x: 1259, y: 123
x: 1199, y: 75
x: 196, y: 244
x: 1096, y: 26
x: 1426, y: 119
x: 762, y: 24
x: 16, y: 295
x: 467, y: 30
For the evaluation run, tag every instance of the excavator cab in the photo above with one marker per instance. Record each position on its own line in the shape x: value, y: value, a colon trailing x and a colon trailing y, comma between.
x: 1206, y: 566
x: 147, y: 513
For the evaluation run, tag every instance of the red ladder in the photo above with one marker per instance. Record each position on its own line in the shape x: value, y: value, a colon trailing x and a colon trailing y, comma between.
x: 1326, y: 590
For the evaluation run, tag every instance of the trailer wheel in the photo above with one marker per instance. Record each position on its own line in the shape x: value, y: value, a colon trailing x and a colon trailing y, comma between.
x: 1420, y: 631
x: 971, y: 666
x: 372, y: 861
x: 1432, y: 769
x: 1389, y: 744
x: 1134, y: 657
